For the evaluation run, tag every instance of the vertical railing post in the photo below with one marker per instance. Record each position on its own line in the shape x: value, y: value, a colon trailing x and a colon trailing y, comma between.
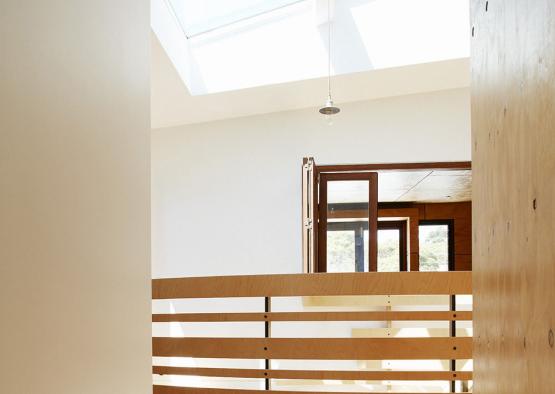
x: 267, y: 334
x: 453, y: 334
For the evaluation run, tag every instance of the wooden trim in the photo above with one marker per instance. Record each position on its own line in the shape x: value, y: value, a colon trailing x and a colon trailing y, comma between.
x: 309, y: 214
x: 449, y: 165
x: 321, y: 262
x: 158, y: 389
x: 373, y: 222
x: 313, y: 375
x: 305, y: 215
x: 349, y: 176
x: 314, y: 316
x: 315, y: 348
x: 321, y: 284
x: 401, y: 227
x: 315, y: 217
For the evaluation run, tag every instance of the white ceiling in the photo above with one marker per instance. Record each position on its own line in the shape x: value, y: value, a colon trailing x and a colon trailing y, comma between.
x: 172, y: 104
x: 383, y: 48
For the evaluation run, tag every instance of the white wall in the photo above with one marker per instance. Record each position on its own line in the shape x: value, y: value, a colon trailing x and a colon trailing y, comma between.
x: 74, y: 197
x: 226, y: 195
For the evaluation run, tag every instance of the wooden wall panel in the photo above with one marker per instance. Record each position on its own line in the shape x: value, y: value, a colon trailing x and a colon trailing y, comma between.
x: 461, y: 214
x: 513, y: 145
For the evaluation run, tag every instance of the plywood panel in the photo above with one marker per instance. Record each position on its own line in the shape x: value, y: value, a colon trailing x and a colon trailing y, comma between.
x: 315, y: 348
x: 291, y: 285
x: 313, y: 316
x: 202, y: 390
x: 513, y: 144
x: 313, y: 374
x: 440, y: 186
x: 461, y: 214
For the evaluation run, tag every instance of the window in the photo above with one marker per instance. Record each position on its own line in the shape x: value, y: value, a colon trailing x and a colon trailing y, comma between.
x: 348, y: 242
x: 436, y: 245
x: 392, y: 246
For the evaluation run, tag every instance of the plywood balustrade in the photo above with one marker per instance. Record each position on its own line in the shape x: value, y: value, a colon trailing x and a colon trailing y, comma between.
x: 293, y: 285
x: 313, y: 316
x: 347, y: 348
x: 201, y: 390
x: 315, y: 375
x: 315, y: 348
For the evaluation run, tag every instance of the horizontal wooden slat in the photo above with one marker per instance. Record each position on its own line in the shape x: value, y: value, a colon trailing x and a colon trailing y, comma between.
x: 313, y: 316
x: 313, y: 375
x: 380, y: 300
x: 158, y: 389
x: 315, y: 348
x: 292, y: 285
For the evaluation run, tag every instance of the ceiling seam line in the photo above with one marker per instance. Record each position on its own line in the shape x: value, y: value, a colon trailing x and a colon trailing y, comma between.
x: 417, y: 183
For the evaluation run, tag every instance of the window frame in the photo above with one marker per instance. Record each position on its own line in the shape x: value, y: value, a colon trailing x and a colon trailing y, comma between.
x: 450, y: 223
x: 401, y: 226
x: 361, y: 226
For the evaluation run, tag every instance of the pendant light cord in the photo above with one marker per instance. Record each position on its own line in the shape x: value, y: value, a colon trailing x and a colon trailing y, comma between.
x: 329, y: 51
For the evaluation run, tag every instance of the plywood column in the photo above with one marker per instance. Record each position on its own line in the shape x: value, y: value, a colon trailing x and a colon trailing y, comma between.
x: 513, y: 145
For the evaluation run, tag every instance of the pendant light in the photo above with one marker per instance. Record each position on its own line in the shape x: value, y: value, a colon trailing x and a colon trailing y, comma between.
x: 328, y: 108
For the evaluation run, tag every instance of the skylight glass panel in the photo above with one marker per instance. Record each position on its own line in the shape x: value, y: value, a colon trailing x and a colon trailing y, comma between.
x: 201, y: 16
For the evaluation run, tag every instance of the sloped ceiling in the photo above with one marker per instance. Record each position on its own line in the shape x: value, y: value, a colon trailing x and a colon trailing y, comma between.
x: 172, y: 104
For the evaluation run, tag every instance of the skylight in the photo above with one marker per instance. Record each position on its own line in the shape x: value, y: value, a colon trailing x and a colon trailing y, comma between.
x: 197, y: 17
x: 240, y: 44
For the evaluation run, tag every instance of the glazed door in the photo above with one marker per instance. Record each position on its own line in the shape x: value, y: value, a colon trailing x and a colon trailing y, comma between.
x: 347, y: 224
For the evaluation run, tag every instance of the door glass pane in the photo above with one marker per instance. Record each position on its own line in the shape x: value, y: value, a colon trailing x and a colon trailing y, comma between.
x: 434, y: 247
x: 389, y: 254
x: 347, y: 221
x: 341, y: 251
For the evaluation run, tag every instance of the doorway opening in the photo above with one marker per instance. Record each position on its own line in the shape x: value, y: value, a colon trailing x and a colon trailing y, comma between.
x: 386, y: 217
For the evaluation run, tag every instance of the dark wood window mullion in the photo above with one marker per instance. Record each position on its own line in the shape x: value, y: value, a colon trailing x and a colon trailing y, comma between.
x: 322, y: 224
x: 373, y: 222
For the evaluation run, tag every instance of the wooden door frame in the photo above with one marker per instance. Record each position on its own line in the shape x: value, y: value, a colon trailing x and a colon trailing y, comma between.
x: 319, y: 170
x: 447, y: 165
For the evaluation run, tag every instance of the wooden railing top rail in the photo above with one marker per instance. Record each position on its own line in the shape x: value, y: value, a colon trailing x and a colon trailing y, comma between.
x: 323, y: 284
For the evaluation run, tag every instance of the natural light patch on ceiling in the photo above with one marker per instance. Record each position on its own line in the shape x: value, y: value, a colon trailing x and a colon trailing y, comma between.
x: 249, y: 43
x: 401, y: 32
